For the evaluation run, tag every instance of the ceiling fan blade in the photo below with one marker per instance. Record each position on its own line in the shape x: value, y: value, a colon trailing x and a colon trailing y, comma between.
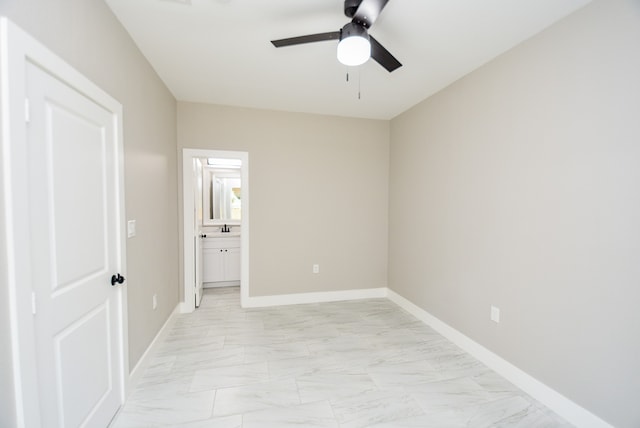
x: 311, y: 38
x: 383, y: 56
x: 368, y: 12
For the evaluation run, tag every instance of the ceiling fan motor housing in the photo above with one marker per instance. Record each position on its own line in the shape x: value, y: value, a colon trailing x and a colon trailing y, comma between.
x: 353, y: 30
x: 350, y: 7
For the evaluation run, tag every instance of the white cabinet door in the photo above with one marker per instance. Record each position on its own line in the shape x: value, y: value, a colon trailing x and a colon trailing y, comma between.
x: 74, y: 222
x: 232, y: 264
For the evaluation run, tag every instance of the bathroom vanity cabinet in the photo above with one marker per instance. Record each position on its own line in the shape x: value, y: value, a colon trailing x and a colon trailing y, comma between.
x: 221, y: 260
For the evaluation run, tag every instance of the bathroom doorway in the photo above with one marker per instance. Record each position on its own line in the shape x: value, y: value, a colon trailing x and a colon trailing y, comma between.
x: 192, y: 184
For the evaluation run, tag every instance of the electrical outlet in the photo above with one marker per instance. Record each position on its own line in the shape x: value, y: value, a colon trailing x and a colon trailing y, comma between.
x: 316, y: 268
x: 155, y: 301
x: 495, y: 314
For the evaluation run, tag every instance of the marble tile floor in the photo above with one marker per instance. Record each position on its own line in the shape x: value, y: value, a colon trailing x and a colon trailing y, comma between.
x: 351, y: 364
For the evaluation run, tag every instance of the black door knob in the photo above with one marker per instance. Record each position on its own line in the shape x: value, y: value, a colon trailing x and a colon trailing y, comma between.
x: 117, y: 279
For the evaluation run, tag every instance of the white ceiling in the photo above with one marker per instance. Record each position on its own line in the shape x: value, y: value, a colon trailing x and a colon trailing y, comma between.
x: 219, y: 51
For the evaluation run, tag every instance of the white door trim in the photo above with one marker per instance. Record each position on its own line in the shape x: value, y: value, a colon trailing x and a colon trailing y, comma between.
x: 16, y: 49
x: 188, y: 305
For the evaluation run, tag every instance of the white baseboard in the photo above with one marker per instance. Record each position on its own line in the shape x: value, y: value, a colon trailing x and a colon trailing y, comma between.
x: 316, y: 297
x: 143, y: 362
x: 560, y: 404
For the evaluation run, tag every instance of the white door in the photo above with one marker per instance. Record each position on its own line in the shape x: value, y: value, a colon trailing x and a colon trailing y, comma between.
x: 74, y: 225
x: 197, y: 228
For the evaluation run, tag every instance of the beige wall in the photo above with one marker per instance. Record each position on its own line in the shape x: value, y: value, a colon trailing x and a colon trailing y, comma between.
x: 86, y: 34
x: 318, y: 194
x: 519, y: 186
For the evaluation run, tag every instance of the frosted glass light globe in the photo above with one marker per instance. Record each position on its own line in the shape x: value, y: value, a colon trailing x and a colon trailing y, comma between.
x: 354, y: 50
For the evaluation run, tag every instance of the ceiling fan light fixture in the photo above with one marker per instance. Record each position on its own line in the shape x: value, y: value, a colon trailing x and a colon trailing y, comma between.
x: 354, y: 47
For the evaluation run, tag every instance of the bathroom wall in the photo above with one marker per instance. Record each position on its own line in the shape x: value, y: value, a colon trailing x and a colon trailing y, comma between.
x: 318, y: 194
x: 518, y: 186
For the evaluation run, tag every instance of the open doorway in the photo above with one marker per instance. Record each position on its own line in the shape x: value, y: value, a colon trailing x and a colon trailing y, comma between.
x: 195, y: 223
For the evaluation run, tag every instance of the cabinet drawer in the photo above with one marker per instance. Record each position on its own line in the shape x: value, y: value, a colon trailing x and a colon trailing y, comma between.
x: 233, y: 242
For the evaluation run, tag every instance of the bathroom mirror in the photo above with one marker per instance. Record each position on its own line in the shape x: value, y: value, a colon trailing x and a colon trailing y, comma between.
x: 221, y: 196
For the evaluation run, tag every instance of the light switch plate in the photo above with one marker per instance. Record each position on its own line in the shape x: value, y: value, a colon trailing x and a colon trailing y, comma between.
x: 495, y: 314
x: 131, y: 228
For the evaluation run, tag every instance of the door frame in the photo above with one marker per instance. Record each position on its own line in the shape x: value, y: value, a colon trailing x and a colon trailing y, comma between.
x: 16, y: 49
x: 188, y: 305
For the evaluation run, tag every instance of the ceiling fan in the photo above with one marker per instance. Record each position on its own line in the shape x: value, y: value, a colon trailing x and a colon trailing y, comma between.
x: 355, y: 45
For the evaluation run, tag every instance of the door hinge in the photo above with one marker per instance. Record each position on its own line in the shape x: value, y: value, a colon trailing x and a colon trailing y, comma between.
x: 27, y: 114
x: 33, y: 302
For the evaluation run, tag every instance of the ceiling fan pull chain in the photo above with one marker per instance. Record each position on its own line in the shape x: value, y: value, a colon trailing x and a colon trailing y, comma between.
x: 358, y: 83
